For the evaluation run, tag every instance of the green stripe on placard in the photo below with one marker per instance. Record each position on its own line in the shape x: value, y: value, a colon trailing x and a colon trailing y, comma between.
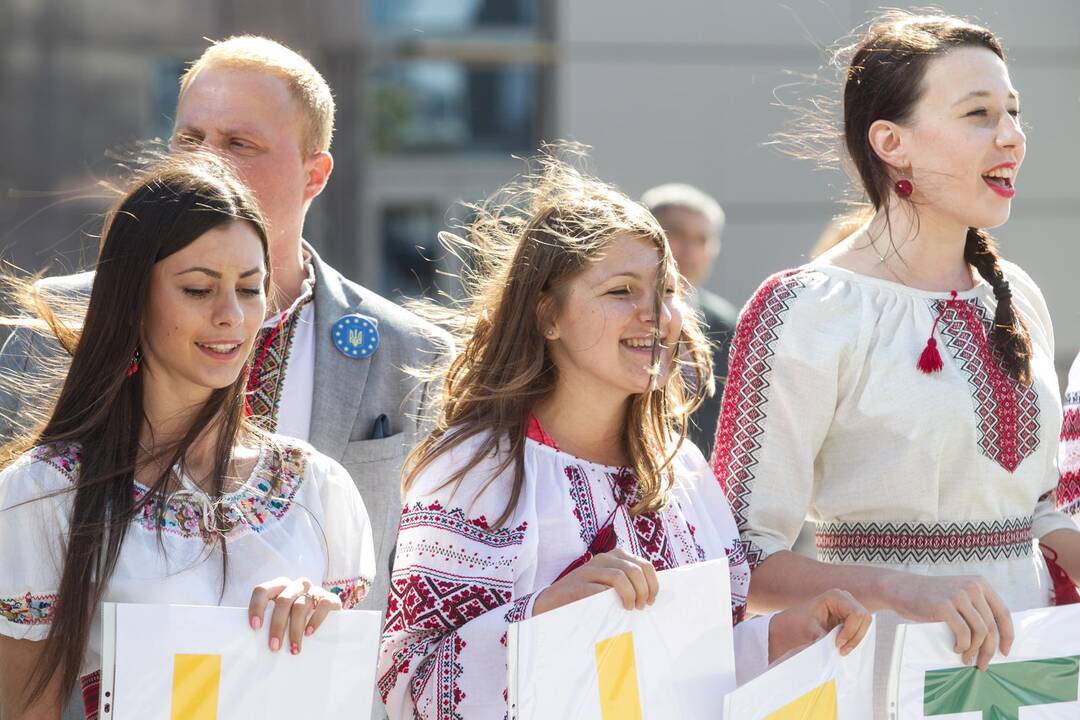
x: 1002, y: 689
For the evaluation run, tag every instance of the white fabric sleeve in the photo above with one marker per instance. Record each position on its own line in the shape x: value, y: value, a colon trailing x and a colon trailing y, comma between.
x: 35, y: 501
x: 350, y: 550
x: 779, y: 401
x: 452, y: 594
x: 752, y: 648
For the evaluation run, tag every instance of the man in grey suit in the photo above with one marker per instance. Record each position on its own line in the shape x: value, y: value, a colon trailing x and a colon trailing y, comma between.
x: 330, y: 363
x: 693, y: 221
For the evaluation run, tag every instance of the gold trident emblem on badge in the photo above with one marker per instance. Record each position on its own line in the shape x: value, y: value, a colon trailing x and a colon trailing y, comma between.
x: 356, y: 337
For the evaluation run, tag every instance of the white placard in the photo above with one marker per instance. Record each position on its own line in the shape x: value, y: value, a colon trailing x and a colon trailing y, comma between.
x: 1039, y: 680
x: 156, y: 658
x: 674, y: 659
x: 815, y: 684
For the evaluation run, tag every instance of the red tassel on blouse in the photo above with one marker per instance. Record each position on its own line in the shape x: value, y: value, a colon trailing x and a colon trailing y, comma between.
x: 603, y: 542
x: 1065, y: 592
x: 930, y: 360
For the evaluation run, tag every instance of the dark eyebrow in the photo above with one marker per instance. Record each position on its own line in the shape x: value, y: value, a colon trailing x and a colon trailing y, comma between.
x: 1013, y: 95
x: 216, y: 275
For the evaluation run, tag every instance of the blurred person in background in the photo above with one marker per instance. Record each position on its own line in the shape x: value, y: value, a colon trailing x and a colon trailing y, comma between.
x: 900, y: 389
x: 693, y: 222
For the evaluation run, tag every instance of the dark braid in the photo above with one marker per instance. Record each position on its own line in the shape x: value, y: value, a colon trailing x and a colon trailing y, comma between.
x: 1009, y: 337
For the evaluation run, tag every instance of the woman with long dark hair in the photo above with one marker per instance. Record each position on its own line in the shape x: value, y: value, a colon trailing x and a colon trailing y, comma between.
x: 146, y: 483
x: 559, y: 465
x: 900, y: 389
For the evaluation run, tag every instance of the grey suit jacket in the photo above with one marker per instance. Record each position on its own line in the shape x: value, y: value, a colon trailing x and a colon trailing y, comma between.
x: 349, y: 393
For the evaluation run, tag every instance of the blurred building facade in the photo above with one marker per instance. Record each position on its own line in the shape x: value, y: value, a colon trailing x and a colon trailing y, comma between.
x: 436, y: 97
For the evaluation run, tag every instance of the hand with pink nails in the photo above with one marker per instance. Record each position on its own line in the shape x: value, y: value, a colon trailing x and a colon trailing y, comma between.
x: 298, y: 604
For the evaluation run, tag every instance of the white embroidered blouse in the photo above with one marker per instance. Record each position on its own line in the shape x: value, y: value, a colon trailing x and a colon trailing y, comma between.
x: 298, y: 514
x: 458, y: 582
x: 826, y: 415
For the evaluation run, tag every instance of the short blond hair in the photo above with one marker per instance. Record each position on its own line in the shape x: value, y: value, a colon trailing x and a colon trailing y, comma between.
x: 252, y: 52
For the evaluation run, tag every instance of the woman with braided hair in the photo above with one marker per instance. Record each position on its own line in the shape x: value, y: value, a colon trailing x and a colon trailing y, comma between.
x: 900, y: 389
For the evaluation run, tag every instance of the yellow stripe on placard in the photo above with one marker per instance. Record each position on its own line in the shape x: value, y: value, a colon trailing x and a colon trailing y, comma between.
x: 818, y: 704
x: 617, y: 672
x: 195, y: 683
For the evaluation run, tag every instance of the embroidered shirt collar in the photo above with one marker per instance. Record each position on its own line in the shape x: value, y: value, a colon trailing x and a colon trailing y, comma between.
x: 307, y: 294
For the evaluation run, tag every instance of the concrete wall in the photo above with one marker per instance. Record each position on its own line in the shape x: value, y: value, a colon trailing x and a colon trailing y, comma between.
x: 686, y: 90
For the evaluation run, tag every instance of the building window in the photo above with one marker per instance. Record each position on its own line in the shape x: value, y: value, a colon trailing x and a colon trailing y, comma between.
x: 412, y: 256
x: 436, y: 106
x: 453, y: 16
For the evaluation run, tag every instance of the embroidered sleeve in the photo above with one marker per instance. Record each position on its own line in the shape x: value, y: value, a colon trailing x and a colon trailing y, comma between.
x: 33, y: 532
x: 778, y: 402
x: 1068, y: 491
x: 443, y: 652
x: 350, y: 550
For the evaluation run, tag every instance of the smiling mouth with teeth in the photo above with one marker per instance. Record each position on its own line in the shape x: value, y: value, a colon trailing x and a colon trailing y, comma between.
x: 1000, y: 180
x: 220, y: 348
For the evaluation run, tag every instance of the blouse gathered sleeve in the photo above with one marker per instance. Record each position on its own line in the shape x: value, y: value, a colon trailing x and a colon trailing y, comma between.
x: 350, y: 550
x: 35, y: 499
x: 452, y: 593
x: 779, y: 401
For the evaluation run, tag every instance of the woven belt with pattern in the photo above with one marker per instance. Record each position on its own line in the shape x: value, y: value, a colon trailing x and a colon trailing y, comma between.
x: 924, y: 542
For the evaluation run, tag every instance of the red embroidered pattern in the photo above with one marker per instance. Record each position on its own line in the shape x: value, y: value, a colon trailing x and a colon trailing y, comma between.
x: 650, y: 541
x: 272, y: 346
x: 742, y: 418
x: 924, y: 542
x: 90, y: 688
x: 1070, y: 425
x: 474, y: 529
x: 1068, y: 493
x: 584, y: 505
x: 1068, y: 489
x: 1008, y: 412
x: 426, y: 601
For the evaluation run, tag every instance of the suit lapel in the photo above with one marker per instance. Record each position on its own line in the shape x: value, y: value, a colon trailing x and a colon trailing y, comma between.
x: 339, y: 381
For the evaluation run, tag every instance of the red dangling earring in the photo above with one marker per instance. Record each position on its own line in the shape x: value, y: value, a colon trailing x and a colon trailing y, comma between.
x: 133, y: 366
x: 904, y: 188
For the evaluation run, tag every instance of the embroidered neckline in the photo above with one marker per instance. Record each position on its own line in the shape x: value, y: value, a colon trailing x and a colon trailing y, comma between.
x: 248, y: 508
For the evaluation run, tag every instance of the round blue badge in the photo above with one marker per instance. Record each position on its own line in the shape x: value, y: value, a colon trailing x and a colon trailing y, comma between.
x: 356, y: 336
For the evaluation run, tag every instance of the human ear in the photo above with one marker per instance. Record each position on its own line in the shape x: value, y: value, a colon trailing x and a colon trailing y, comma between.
x: 317, y: 170
x: 886, y: 139
x: 545, y: 317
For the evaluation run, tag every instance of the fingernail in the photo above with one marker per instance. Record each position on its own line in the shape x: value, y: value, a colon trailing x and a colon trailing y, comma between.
x: 256, y: 622
x: 275, y: 644
x: 308, y: 631
x: 294, y: 648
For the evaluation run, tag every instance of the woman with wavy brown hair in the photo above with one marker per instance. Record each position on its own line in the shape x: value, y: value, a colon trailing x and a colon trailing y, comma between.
x: 146, y: 482
x: 900, y: 389
x: 558, y: 467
